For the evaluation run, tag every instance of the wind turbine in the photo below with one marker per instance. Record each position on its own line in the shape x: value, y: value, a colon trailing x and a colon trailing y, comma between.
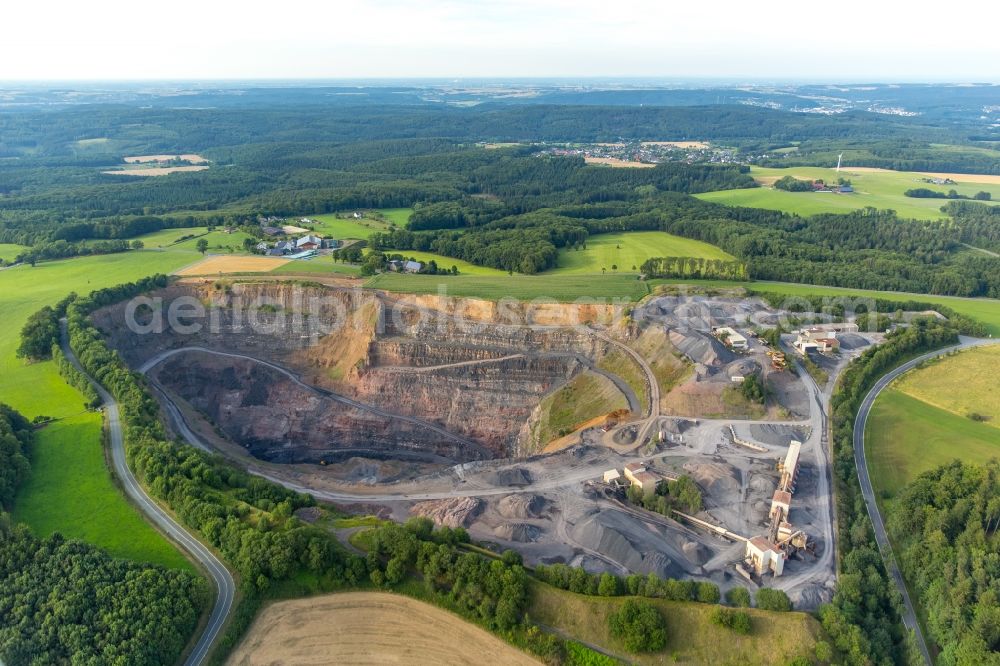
x: 839, y: 157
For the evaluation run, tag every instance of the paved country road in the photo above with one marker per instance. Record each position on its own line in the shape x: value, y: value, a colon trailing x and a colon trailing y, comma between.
x: 909, y: 615
x: 225, y: 587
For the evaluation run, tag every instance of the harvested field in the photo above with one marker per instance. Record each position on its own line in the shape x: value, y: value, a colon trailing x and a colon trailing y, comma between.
x: 226, y: 264
x: 147, y: 159
x: 292, y: 229
x: 615, y: 162
x: 154, y: 171
x: 957, y: 177
x: 367, y: 628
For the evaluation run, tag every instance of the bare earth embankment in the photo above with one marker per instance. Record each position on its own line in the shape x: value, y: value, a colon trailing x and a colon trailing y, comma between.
x: 368, y: 628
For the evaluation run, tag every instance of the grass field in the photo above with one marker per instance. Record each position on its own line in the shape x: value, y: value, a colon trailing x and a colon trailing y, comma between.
x: 584, y: 397
x: 464, y: 267
x: 556, y: 288
x: 334, y: 227
x: 70, y: 491
x: 922, y: 420
x: 9, y: 250
x: 317, y: 266
x: 631, y: 249
x: 880, y: 189
x: 218, y: 241
x: 776, y: 638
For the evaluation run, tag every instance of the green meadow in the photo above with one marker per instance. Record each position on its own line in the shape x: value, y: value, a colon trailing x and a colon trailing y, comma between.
x: 878, y: 189
x: 628, y: 251
x: 556, y: 288
x: 906, y: 436
x: 340, y: 228
x: 70, y: 490
x: 9, y: 250
x: 219, y: 242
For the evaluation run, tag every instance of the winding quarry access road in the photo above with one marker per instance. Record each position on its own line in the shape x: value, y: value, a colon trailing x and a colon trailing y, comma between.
x: 881, y: 537
x: 225, y: 587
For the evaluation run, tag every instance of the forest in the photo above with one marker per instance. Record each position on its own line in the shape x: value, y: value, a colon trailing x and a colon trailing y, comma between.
x: 863, y: 618
x: 108, y: 611
x: 945, y: 524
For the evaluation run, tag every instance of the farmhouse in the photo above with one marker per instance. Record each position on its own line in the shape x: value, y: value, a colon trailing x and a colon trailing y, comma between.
x: 790, y: 467
x: 308, y: 242
x: 764, y: 556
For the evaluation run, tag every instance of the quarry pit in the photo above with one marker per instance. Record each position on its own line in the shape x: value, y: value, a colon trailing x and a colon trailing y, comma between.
x: 500, y: 418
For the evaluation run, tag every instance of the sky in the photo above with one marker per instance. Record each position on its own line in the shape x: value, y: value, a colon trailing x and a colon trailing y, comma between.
x: 845, y: 41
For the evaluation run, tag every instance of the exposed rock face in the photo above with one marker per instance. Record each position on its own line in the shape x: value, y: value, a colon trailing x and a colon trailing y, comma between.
x: 280, y: 421
x: 471, y: 377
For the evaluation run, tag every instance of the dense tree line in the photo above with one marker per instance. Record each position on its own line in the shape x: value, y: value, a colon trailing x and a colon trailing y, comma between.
x: 694, y: 267
x: 39, y: 334
x: 68, y: 602
x: 682, y: 495
x: 927, y: 193
x: 838, y: 307
x: 792, y: 184
x: 576, y: 579
x: 15, y: 436
x: 491, y: 592
x: 75, y: 378
x: 945, y: 526
x: 863, y: 618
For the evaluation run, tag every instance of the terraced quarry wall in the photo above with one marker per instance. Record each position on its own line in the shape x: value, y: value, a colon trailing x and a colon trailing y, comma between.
x: 357, y: 372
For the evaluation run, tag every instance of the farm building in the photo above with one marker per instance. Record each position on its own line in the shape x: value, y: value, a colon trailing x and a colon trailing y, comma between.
x: 764, y: 556
x: 790, y: 467
x: 308, y: 242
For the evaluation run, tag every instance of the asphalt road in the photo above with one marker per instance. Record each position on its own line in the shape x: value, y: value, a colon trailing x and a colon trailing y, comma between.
x: 909, y: 615
x: 225, y: 587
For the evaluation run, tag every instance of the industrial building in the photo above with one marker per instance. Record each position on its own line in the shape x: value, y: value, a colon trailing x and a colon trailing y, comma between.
x: 816, y: 340
x: 764, y: 556
x: 731, y: 337
x: 790, y: 467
